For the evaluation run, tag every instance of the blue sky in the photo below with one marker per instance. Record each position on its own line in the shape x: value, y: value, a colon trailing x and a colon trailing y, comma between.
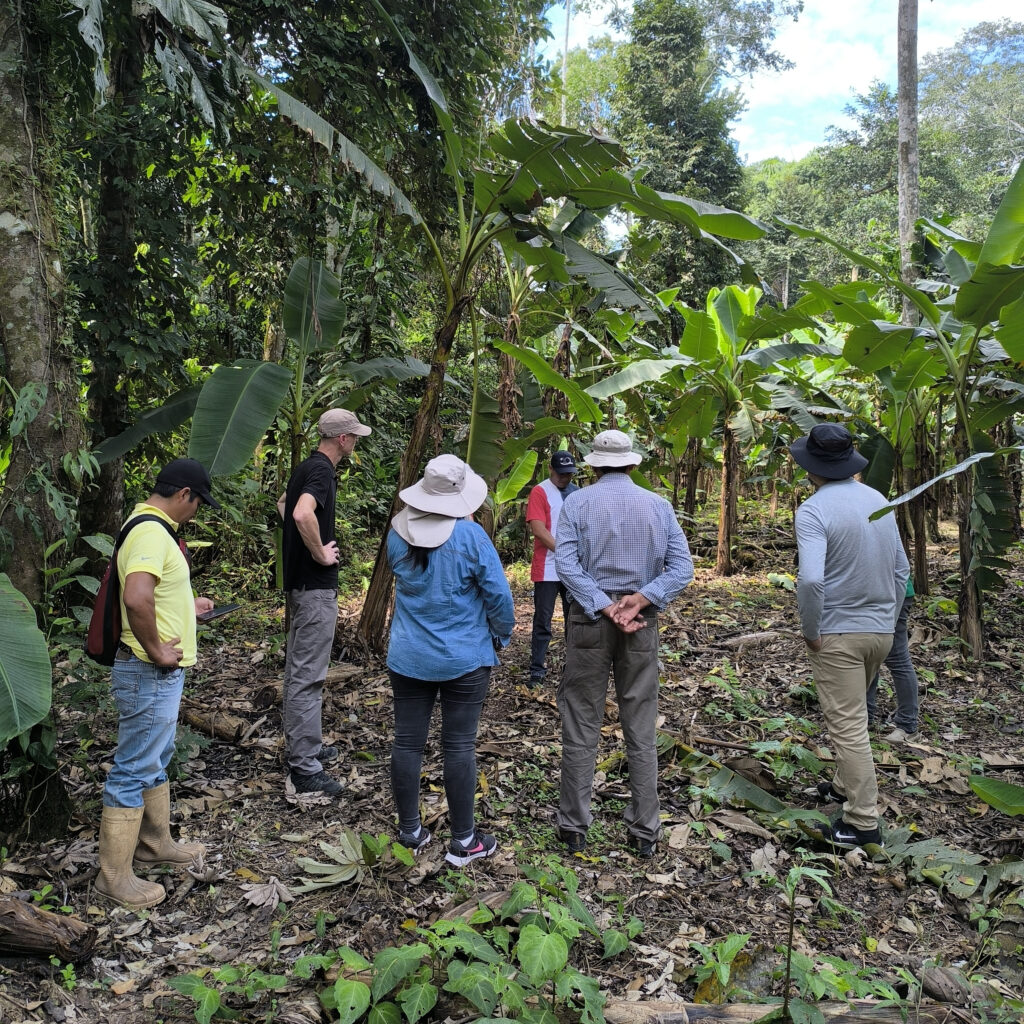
x: 838, y: 49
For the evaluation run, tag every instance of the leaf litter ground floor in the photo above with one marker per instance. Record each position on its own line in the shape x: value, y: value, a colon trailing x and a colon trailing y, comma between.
x: 735, y: 691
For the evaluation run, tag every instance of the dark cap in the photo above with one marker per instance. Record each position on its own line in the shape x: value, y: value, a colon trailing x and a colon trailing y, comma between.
x: 563, y: 462
x: 191, y: 474
x: 827, y: 451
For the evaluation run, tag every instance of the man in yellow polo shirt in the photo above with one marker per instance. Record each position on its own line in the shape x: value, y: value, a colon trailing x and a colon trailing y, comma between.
x: 158, y: 642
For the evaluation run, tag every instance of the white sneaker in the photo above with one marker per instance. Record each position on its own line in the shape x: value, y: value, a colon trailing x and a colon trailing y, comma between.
x: 899, y: 735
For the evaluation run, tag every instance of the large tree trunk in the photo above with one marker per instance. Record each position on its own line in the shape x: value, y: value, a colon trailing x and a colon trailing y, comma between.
x: 31, y: 313
x: 103, y: 508
x: 908, y: 165
x: 693, y: 449
x: 373, y: 622
x: 556, y: 403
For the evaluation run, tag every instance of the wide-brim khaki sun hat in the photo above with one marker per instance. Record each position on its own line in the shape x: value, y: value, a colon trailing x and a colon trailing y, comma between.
x: 448, y: 488
x: 612, y: 448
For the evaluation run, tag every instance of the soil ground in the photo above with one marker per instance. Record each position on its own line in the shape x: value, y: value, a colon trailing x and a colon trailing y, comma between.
x: 735, y: 685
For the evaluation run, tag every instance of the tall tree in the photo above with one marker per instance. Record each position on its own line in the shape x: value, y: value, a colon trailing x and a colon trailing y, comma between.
x: 908, y: 162
x: 45, y: 425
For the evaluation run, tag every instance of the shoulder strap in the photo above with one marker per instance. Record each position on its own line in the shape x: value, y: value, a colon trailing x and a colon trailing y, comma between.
x: 146, y: 517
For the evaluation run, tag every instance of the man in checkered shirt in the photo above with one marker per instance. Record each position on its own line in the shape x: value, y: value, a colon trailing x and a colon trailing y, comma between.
x: 622, y: 557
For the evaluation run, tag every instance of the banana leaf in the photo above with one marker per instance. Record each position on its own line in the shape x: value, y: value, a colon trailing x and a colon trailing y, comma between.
x: 26, y: 682
x: 175, y: 411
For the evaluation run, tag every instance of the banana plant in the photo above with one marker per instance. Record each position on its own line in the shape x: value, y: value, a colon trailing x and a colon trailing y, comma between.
x: 977, y: 322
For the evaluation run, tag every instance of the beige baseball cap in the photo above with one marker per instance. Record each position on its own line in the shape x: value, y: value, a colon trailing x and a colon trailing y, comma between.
x: 336, y: 422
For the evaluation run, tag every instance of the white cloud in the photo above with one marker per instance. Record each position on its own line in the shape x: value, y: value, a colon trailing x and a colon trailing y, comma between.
x: 838, y: 49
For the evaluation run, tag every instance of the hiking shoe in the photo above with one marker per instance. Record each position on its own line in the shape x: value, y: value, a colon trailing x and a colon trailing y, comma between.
x: 899, y: 735
x: 839, y: 833
x: 478, y: 845
x: 327, y: 754
x: 415, y: 843
x: 829, y: 793
x: 576, y: 841
x: 642, y: 847
x: 318, y: 782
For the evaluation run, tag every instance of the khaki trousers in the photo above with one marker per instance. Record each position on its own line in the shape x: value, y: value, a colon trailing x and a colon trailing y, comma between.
x: 592, y: 649
x: 843, y: 669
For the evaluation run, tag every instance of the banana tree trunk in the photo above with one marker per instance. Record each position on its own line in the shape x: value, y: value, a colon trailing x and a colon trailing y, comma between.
x: 727, y: 503
x: 693, y: 447
x: 509, y: 392
x: 556, y: 403
x: 373, y: 622
x: 918, y: 510
x: 971, y: 627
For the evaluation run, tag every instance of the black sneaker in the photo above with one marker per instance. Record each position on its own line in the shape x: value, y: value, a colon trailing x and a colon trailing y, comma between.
x: 415, y: 843
x: 576, y: 841
x: 829, y: 793
x: 477, y: 846
x: 839, y: 833
x: 318, y: 782
x: 642, y: 847
x: 327, y: 755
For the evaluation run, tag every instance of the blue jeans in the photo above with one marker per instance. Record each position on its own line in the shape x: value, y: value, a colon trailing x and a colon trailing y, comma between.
x: 147, y: 699
x: 461, y: 702
x: 904, y: 678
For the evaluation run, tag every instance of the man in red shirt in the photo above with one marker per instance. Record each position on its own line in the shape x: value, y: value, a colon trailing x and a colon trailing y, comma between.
x: 542, y: 508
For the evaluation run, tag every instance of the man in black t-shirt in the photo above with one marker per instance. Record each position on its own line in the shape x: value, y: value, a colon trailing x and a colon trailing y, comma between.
x: 310, y: 556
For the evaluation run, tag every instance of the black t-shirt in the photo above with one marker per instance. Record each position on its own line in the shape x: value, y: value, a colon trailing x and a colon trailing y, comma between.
x: 315, y: 477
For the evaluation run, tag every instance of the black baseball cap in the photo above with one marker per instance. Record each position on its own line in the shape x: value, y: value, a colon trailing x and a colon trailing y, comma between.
x: 563, y: 462
x: 191, y: 474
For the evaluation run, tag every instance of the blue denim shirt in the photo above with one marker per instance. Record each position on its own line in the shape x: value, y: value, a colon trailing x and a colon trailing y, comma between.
x: 446, y: 615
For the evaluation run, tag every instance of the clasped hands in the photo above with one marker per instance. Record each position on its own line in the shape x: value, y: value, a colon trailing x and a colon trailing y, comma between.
x: 624, y: 612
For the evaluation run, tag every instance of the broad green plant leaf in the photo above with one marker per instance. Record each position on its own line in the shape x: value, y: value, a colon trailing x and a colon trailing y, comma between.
x: 346, y: 152
x: 519, y: 476
x: 26, y: 683
x: 236, y: 406
x: 417, y: 1000
x: 615, y: 942
x: 980, y: 300
x: 313, y: 316
x: 636, y: 373
x: 473, y: 983
x: 1003, y: 796
x: 945, y: 475
x: 90, y: 28
x: 770, y: 355
x: 28, y: 405
x: 582, y: 405
x: 483, y: 448
x: 543, y: 428
x: 542, y: 954
x: 1010, y: 334
x: 175, y: 411
x: 351, y: 1000
x: 521, y: 896
x: 603, y: 276
x: 1004, y: 242
x: 394, y: 964
x: 384, y: 1013
x: 386, y: 367
x: 700, y: 337
x: 879, y: 344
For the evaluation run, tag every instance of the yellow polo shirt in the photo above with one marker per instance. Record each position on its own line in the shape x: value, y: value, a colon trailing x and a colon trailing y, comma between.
x: 149, y: 548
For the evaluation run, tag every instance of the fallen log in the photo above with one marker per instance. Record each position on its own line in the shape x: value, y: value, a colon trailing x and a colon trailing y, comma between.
x: 215, y: 723
x: 269, y: 695
x: 622, y: 1011
x: 26, y: 930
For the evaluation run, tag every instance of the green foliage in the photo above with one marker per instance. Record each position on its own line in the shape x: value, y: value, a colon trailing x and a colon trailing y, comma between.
x: 1003, y: 796
x: 718, y: 963
x: 25, y: 674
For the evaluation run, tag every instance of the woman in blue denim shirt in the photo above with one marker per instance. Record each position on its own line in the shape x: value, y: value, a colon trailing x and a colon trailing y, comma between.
x: 453, y: 612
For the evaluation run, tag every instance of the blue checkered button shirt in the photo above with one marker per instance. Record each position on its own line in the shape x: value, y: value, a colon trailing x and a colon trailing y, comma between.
x: 616, y: 538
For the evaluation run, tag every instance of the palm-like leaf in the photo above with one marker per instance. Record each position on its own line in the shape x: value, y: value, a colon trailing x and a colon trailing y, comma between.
x: 582, y: 405
x: 25, y: 673
x: 520, y: 475
x: 314, y: 316
x: 171, y: 414
x: 236, y: 406
x: 639, y: 372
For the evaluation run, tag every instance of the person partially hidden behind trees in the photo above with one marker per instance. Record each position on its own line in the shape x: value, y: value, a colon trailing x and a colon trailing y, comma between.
x: 620, y: 553
x: 158, y: 642
x: 310, y: 557
x: 542, y: 510
x: 851, y: 582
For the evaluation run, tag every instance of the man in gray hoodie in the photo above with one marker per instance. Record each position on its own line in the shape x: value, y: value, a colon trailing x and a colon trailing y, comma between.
x: 850, y: 587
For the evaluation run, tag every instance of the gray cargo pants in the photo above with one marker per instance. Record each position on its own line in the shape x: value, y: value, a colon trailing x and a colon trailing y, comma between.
x: 593, y: 648
x: 314, y: 618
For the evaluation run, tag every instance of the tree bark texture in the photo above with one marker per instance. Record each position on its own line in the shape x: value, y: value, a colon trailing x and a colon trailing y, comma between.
x: 918, y: 510
x: 556, y: 404
x: 31, y: 306
x: 103, y: 509
x: 373, y: 622
x: 26, y: 930
x: 509, y: 392
x: 908, y: 167
x: 971, y: 627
